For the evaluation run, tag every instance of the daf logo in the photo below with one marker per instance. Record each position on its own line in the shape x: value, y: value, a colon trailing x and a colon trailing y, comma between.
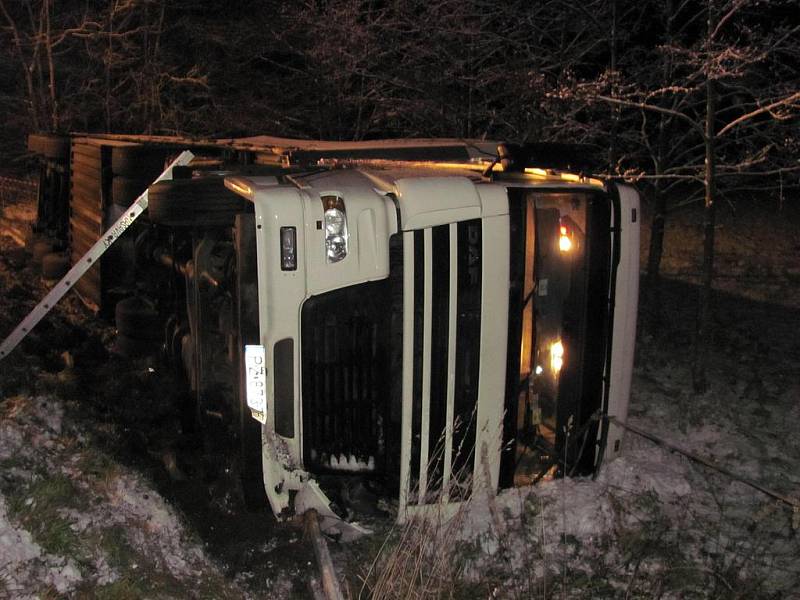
x: 474, y: 253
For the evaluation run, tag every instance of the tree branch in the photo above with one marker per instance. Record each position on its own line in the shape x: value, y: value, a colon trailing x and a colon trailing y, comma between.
x: 654, y: 108
x: 768, y: 108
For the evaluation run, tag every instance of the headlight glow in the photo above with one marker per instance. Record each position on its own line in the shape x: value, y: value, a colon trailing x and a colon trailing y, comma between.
x: 564, y: 239
x: 556, y: 356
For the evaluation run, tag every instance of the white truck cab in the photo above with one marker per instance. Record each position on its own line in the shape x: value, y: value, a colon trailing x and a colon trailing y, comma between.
x: 439, y: 329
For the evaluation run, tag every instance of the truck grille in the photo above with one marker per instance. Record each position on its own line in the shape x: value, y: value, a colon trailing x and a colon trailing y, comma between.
x: 356, y: 377
x: 345, y: 347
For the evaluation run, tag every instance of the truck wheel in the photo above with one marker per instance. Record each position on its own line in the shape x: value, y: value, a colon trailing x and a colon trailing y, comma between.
x: 40, y: 249
x: 137, y: 320
x: 190, y: 202
x: 136, y: 161
x: 124, y: 190
x: 49, y: 145
x: 54, y: 265
x: 134, y: 348
x: 251, y: 474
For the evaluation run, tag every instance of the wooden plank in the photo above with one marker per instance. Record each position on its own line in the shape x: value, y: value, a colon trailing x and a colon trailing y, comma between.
x: 330, y: 583
x: 82, y: 163
x: 87, y: 181
x: 87, y: 213
x: 86, y: 151
x: 84, y: 235
x: 85, y: 195
x: 86, y: 190
x: 85, y: 230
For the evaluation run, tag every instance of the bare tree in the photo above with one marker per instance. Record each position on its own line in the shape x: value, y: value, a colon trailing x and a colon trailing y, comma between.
x: 727, y: 94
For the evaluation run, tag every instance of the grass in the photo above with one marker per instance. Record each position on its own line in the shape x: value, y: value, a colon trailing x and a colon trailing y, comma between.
x: 113, y: 541
x: 35, y: 507
x: 651, y: 550
x: 99, y: 470
x: 122, y: 589
x: 140, y: 577
x: 39, y: 497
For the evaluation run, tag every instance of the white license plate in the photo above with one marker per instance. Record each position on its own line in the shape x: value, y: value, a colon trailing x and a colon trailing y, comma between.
x: 256, y: 376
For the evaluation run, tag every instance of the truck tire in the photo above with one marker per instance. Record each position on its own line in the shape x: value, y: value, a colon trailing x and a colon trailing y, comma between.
x: 40, y: 249
x: 124, y: 190
x: 251, y: 474
x: 137, y: 161
x: 49, y: 145
x: 54, y: 265
x: 137, y: 320
x: 194, y: 202
x: 133, y: 348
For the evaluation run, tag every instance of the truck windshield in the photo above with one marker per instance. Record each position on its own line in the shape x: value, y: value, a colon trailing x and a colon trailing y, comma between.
x: 556, y: 391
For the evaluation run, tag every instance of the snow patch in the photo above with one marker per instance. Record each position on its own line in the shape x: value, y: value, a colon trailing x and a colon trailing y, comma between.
x: 156, y: 526
x: 23, y: 561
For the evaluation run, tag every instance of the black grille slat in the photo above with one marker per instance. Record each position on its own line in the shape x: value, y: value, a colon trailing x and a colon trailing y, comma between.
x: 468, y: 328
x: 440, y: 313
x: 416, y: 394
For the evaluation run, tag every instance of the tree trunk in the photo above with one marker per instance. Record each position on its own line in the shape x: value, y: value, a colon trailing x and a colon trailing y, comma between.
x: 657, y: 234
x: 702, y: 344
x: 615, y: 108
x: 656, y: 251
x: 108, y: 61
x: 55, y: 118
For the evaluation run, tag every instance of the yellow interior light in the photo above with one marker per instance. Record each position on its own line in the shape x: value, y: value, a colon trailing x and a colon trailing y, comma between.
x: 564, y: 239
x: 556, y: 356
x: 239, y: 187
x: 536, y: 171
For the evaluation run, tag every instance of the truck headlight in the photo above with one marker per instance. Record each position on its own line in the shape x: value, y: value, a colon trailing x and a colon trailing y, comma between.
x: 565, y: 237
x: 556, y: 356
x: 335, y: 228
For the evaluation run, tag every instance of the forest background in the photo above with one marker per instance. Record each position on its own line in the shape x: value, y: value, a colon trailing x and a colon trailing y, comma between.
x: 697, y: 101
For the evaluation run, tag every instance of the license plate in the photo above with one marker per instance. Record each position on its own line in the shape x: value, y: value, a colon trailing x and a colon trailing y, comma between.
x: 256, y: 378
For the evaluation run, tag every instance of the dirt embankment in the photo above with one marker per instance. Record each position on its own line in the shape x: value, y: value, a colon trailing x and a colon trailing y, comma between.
x: 103, y: 493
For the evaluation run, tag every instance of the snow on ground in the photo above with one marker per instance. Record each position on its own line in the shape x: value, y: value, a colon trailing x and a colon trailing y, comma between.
x: 654, y: 523
x: 72, y: 519
x: 24, y: 561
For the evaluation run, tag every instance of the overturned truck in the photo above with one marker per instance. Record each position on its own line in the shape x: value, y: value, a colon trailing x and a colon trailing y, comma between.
x: 433, y: 316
